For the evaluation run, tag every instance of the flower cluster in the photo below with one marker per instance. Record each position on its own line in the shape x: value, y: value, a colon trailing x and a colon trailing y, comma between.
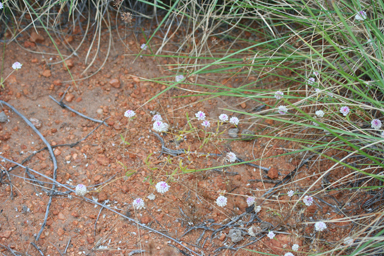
x: 320, y: 226
x: 308, y: 200
x: 16, y: 65
x: 283, y: 110
x: 138, y: 203
x: 223, y: 117
x: 162, y: 187
x: 279, y: 95
x: 144, y: 47
x: 160, y: 126
x: 344, y: 110
x: 81, y: 190
x: 221, y: 201
x: 250, y: 200
x: 231, y: 157
x: 376, y: 124
x: 129, y: 113
x: 271, y: 235
x: 179, y: 78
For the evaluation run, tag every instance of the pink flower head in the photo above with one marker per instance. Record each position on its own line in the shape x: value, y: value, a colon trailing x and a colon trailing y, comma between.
x: 282, y: 110
x: 129, y: 113
x: 162, y: 187
x: 221, y: 201
x: 159, y: 126
x: 206, y: 123
x: 376, y: 124
x: 157, y: 117
x: 344, y: 110
x: 279, y: 95
x: 138, y: 203
x: 200, y: 115
x: 320, y: 226
x: 144, y: 47
x: 311, y: 81
x: 81, y: 190
x: 234, y: 120
x: 16, y: 65
x: 250, y: 200
x: 271, y: 235
x: 223, y: 117
x: 308, y: 200
x: 361, y: 15
x: 179, y: 78
x: 231, y: 157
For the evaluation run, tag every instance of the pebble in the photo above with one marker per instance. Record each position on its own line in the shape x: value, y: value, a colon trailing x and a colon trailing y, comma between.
x: 102, y: 196
x: 3, y: 117
x: 57, y: 152
x: 115, y: 83
x: 36, y: 38
x: 273, y: 173
x: 61, y: 216
x: 69, y: 63
x: 69, y: 97
x: 233, y: 132
x: 99, y: 111
x: 57, y: 82
x: 60, y: 231
x: 36, y: 122
x: 145, y: 219
x: 247, y: 135
x: 46, y: 73
x: 235, y: 235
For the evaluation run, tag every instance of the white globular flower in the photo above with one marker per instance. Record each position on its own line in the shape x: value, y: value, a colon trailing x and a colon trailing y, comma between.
x: 159, y: 126
x: 179, y: 78
x: 290, y: 193
x: 295, y: 247
x: 231, y: 157
x: 320, y: 226
x: 157, y: 117
x: 348, y: 241
x: 223, y: 117
x: 320, y: 113
x: 250, y: 200
x: 315, y: 73
x: 81, y: 190
x: 308, y: 200
x: 376, y: 124
x: 151, y: 197
x: 311, y: 81
x: 129, y: 113
x: 279, y: 95
x: 1, y: 6
x: 138, y: 203
x: 16, y: 65
x: 271, y: 235
x: 317, y: 90
x: 205, y: 123
x: 144, y: 47
x: 221, y: 201
x: 361, y: 15
x: 282, y: 110
x: 162, y: 187
x: 200, y: 115
x: 344, y: 110
x: 234, y: 120
x: 289, y: 254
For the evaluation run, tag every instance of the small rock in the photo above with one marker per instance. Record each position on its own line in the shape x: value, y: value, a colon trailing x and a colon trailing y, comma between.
x: 102, y: 196
x: 6, y: 234
x: 102, y: 159
x: 136, y: 79
x: 97, y: 178
x: 69, y: 97
x: 69, y: 63
x: 60, y: 231
x: 273, y: 173
x: 3, y: 117
x: 235, y: 235
x: 269, y: 121
x: 222, y: 237
x: 34, y: 60
x: 61, y: 216
x: 57, y: 82
x: 233, y: 132
x: 247, y: 135
x: 36, y: 38
x: 145, y: 219
x: 243, y: 105
x: 115, y: 83
x: 57, y: 152
x: 46, y: 73
x: 11, y: 79
x: 99, y: 111
x: 36, y: 122
x: 68, y: 39
x: 90, y: 239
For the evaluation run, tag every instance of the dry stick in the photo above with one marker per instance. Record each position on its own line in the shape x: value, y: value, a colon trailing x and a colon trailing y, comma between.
x: 56, y: 146
x: 99, y: 216
x: 66, y: 248
x: 99, y: 204
x: 9, y: 249
x: 61, y: 104
x: 37, y: 248
x: 10, y: 183
x: 52, y: 157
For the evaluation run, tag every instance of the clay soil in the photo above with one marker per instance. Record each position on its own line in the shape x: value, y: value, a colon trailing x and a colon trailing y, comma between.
x: 80, y: 227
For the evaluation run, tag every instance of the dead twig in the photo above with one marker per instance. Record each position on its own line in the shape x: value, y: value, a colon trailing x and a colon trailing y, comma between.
x: 61, y: 104
x: 37, y: 248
